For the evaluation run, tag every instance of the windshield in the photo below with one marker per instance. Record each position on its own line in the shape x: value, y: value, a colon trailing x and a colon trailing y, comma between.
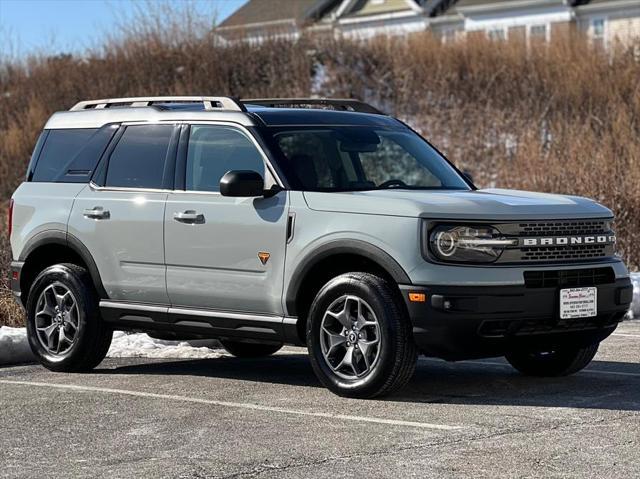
x: 356, y: 158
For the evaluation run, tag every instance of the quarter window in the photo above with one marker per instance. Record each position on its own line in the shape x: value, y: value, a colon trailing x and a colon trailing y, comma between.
x: 59, y: 152
x: 139, y: 158
x: 215, y: 150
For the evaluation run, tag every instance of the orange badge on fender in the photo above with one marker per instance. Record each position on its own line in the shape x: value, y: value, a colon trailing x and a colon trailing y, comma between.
x: 264, y: 257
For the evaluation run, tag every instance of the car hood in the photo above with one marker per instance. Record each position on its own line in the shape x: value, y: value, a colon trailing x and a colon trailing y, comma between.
x: 488, y: 204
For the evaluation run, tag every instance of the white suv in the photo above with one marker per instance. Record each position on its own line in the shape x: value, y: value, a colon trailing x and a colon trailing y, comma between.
x: 266, y: 222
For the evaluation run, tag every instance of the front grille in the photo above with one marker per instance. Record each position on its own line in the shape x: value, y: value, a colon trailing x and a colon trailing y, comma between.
x: 563, y: 228
x: 573, y: 278
x: 556, y: 253
x: 552, y: 253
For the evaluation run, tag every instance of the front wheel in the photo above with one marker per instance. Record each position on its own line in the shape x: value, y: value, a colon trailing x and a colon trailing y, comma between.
x: 359, y: 338
x: 559, y: 362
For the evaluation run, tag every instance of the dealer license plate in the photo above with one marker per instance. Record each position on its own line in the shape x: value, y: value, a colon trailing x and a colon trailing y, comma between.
x: 578, y: 303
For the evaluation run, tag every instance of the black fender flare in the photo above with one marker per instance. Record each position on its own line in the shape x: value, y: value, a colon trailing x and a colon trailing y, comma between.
x: 342, y: 246
x: 63, y: 238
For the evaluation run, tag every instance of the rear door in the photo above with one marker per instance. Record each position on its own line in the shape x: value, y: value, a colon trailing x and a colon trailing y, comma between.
x: 222, y: 253
x: 119, y: 216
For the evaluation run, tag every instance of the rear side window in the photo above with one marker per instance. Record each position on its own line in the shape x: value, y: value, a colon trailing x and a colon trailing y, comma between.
x: 70, y: 156
x: 138, y: 160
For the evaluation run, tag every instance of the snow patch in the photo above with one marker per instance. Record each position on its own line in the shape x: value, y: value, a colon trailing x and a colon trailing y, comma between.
x: 139, y: 345
x: 14, y: 347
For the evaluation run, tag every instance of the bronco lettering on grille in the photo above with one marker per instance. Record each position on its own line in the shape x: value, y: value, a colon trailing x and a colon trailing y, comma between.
x: 569, y: 240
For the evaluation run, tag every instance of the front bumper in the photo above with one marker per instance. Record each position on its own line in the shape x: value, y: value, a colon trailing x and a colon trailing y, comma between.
x: 460, y: 322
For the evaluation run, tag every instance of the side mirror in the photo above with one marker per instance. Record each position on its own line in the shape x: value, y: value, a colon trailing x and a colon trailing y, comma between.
x: 468, y: 176
x: 242, y: 183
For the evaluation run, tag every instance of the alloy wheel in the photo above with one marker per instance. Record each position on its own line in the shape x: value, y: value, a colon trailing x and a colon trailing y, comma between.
x: 57, y: 319
x: 350, y: 337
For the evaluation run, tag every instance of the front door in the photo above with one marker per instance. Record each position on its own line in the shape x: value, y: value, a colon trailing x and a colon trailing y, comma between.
x: 222, y: 253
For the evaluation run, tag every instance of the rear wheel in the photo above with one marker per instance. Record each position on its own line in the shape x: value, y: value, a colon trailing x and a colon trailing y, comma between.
x: 250, y: 350
x: 359, y: 337
x: 64, y: 327
x: 559, y: 362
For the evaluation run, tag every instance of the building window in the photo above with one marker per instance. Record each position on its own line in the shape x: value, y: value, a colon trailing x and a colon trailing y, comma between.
x: 598, y: 27
x: 598, y: 32
x: 497, y: 34
x: 538, y: 33
x: 448, y: 35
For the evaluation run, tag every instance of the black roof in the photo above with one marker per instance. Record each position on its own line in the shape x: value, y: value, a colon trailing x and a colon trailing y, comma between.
x: 314, y: 116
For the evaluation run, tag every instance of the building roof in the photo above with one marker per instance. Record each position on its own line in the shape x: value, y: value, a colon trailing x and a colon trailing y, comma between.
x: 269, y: 11
x: 375, y: 7
x: 505, y: 3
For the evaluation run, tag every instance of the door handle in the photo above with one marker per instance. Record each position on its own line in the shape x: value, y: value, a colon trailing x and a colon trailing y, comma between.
x: 189, y: 216
x: 97, y: 213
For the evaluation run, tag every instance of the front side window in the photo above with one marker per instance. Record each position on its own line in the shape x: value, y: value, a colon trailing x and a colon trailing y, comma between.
x: 139, y: 158
x: 213, y: 151
x: 353, y: 158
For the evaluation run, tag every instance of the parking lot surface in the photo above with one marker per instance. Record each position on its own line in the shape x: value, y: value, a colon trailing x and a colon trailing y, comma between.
x: 228, y: 417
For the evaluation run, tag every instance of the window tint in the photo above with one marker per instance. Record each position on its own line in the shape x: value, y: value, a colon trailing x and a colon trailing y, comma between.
x: 354, y: 158
x: 310, y: 153
x: 215, y: 150
x: 60, y: 149
x: 391, y: 161
x: 138, y: 160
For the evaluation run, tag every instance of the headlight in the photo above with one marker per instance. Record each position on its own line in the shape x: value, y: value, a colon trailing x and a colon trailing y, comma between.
x: 468, y: 244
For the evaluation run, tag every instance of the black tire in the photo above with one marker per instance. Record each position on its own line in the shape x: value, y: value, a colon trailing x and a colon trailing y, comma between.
x: 560, y: 362
x: 93, y: 336
x: 250, y: 350
x: 396, y: 357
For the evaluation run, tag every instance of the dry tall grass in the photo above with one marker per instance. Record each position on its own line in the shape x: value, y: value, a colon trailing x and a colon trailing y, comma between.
x: 561, y: 117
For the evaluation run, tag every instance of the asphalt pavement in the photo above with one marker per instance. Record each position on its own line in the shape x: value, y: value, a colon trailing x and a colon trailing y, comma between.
x: 271, y: 418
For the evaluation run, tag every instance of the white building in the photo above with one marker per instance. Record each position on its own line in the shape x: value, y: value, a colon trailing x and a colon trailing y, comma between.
x: 605, y: 22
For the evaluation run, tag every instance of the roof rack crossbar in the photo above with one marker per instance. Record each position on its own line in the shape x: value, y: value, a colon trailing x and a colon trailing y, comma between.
x: 338, y: 104
x: 209, y: 102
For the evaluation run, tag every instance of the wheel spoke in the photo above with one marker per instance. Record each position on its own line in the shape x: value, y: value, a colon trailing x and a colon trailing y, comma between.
x: 64, y: 337
x: 51, y: 337
x: 363, y: 322
x: 46, y: 311
x: 60, y: 299
x: 50, y: 298
x: 348, y: 304
x: 341, y: 318
x: 347, y: 361
x: 334, y: 341
x: 48, y: 330
x: 366, y: 347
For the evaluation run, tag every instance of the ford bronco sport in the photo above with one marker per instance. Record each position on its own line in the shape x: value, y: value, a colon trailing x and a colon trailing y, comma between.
x: 311, y: 222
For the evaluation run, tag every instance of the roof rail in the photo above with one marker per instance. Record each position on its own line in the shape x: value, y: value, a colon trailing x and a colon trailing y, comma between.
x: 338, y: 104
x: 209, y: 102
